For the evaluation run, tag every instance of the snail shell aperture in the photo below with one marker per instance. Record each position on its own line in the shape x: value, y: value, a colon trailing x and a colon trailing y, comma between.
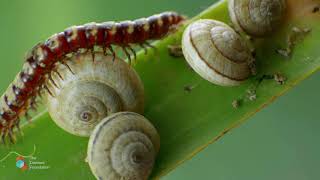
x: 216, y: 52
x: 123, y: 146
x: 91, y: 91
x: 256, y: 17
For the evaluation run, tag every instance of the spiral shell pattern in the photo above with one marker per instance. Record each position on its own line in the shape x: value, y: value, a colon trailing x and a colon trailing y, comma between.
x: 257, y: 17
x: 123, y: 146
x: 216, y: 52
x: 91, y: 90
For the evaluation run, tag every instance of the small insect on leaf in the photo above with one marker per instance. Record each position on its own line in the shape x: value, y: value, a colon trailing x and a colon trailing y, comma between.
x: 175, y: 50
x: 236, y: 104
x: 189, y: 88
x: 251, y: 94
x: 279, y: 78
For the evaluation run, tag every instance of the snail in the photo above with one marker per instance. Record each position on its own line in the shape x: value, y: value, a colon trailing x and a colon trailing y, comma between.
x: 217, y: 53
x: 256, y: 18
x: 123, y: 146
x: 85, y: 91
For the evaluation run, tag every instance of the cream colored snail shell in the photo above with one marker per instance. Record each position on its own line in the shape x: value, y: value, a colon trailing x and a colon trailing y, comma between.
x: 216, y: 52
x: 257, y: 17
x: 123, y: 146
x: 92, y: 91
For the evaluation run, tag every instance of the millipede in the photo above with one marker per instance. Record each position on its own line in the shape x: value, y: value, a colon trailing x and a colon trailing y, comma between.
x: 41, y: 61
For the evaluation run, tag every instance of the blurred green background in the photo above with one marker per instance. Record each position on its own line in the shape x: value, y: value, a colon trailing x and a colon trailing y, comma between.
x: 280, y: 142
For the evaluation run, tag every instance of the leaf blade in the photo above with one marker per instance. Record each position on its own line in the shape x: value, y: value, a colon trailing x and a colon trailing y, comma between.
x: 187, y: 122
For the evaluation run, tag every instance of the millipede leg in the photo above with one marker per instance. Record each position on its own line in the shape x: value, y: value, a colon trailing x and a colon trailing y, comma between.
x: 150, y: 45
x: 17, y: 125
x: 92, y: 54
x: 112, y: 52
x: 57, y: 72
x: 3, y: 136
x: 133, y: 52
x: 12, y: 137
x: 39, y: 92
x: 3, y: 139
x: 33, y: 105
x: 144, y: 48
x: 48, y: 90
x: 28, y: 117
x: 51, y: 79
x: 104, y: 50
x: 65, y: 64
x: 127, y: 53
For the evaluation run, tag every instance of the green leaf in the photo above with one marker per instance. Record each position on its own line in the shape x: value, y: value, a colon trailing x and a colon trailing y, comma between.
x: 187, y: 120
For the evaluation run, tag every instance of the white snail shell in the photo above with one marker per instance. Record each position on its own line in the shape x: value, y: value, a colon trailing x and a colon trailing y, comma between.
x: 123, y: 146
x: 216, y: 52
x: 257, y: 17
x: 96, y: 89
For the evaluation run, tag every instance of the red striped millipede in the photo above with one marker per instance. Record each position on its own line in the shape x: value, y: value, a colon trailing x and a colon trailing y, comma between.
x: 42, y: 59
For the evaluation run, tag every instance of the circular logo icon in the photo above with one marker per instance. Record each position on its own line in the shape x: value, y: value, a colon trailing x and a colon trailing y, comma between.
x: 20, y: 163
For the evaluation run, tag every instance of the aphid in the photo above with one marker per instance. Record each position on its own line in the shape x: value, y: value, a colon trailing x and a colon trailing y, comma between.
x: 42, y: 59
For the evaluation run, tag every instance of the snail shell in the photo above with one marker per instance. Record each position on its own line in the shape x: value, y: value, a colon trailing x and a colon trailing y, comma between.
x: 123, y: 146
x: 256, y: 17
x: 92, y: 91
x: 216, y: 52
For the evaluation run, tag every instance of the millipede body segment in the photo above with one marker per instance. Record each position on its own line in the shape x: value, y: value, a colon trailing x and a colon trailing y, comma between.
x: 42, y: 59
